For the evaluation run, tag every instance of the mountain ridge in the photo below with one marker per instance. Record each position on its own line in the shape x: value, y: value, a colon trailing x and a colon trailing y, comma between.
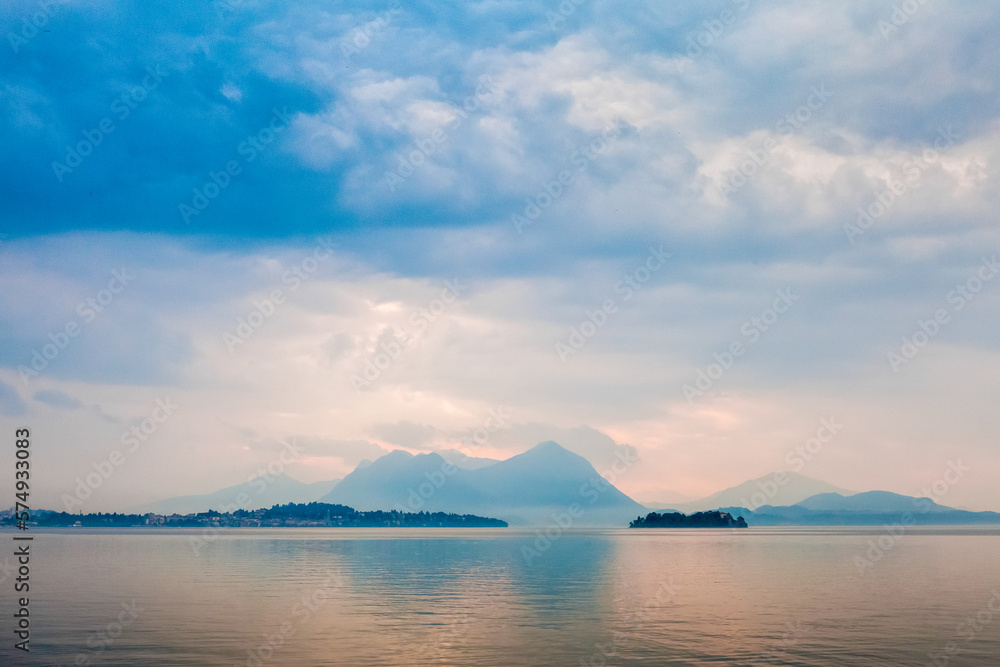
x: 777, y: 488
x: 256, y: 493
x: 863, y: 509
x: 527, y: 488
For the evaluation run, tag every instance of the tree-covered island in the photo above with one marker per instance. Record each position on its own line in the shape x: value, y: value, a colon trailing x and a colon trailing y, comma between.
x: 716, y: 519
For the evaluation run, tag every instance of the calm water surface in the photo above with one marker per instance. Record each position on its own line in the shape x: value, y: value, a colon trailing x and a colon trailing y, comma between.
x: 477, y: 597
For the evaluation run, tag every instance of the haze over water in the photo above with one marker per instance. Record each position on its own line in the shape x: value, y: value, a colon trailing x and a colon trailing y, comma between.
x: 472, y: 597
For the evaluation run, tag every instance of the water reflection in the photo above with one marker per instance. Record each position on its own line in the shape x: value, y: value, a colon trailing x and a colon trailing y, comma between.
x: 473, y: 597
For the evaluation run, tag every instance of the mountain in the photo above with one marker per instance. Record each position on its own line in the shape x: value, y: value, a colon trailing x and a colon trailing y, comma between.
x: 256, y: 494
x: 779, y: 488
x: 464, y: 461
x: 528, y: 488
x: 871, y: 501
x: 871, y: 508
x: 667, y: 499
x: 550, y: 476
x: 399, y: 480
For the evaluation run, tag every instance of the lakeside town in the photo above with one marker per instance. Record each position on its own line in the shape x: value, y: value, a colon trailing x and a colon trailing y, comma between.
x: 311, y: 515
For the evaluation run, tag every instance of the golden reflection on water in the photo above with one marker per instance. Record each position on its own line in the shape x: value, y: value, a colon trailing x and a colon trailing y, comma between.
x: 483, y: 597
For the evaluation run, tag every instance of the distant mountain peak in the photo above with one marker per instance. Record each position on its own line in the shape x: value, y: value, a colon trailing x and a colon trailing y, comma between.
x: 551, y: 450
x: 870, y: 501
x: 257, y: 492
x: 778, y: 488
x: 462, y: 460
x: 550, y: 446
x: 394, y: 459
x: 551, y: 458
x: 527, y: 487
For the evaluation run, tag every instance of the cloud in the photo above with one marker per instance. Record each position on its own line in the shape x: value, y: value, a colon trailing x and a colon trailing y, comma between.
x: 404, y: 433
x: 339, y: 346
x: 510, y: 105
x: 57, y: 399
x: 351, y: 452
x: 11, y: 403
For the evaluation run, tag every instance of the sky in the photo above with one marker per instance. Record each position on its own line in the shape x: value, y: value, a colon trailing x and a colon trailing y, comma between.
x: 711, y: 240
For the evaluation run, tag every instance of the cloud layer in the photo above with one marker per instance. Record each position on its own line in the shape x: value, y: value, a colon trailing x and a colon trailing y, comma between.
x: 687, y: 231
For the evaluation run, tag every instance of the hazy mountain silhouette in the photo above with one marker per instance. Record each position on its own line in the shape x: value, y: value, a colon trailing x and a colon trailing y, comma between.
x: 531, y: 487
x: 261, y: 492
x: 400, y: 480
x: 542, y: 485
x: 863, y: 509
x: 464, y: 461
x: 870, y: 501
x: 766, y: 490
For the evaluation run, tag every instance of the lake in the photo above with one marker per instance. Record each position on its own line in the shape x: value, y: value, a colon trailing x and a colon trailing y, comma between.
x: 816, y: 596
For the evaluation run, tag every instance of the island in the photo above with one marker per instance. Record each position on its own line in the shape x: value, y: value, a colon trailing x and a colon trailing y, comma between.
x: 716, y: 519
x: 314, y: 514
